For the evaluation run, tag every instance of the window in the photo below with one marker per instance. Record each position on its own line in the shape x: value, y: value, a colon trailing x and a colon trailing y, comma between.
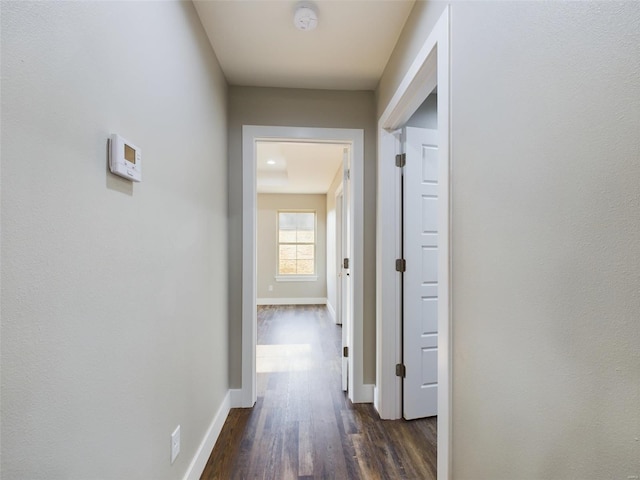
x: 296, y: 243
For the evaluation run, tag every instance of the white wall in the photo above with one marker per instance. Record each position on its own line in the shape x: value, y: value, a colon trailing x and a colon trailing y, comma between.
x: 545, y: 127
x: 114, y: 296
x: 332, y: 261
x: 267, y: 240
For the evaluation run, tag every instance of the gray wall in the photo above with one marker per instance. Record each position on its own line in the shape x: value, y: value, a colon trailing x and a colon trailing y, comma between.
x: 545, y: 235
x: 299, y: 108
x: 267, y: 240
x: 420, y: 22
x: 114, y: 296
x: 427, y: 114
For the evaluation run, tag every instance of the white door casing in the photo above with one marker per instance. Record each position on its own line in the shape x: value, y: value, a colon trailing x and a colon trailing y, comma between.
x: 420, y: 283
x: 338, y: 259
x: 341, y: 288
x: 346, y: 300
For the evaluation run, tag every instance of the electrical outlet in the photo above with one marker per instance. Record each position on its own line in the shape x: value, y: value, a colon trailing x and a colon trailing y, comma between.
x: 175, y: 444
x: 271, y: 288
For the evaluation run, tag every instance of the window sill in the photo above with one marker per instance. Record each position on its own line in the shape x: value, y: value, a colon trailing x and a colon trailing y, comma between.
x: 296, y: 278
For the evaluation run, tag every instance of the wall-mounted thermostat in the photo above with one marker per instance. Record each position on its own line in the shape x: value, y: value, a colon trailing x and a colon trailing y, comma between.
x: 125, y: 159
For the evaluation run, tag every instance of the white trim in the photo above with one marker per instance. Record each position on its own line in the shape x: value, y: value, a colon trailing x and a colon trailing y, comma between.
x: 419, y: 81
x: 249, y: 269
x: 291, y: 301
x: 388, y: 281
x: 296, y: 278
x: 337, y: 240
x: 250, y: 135
x: 332, y: 311
x: 431, y: 67
x: 365, y: 393
x: 375, y: 399
x: 199, y: 461
x: 235, y: 395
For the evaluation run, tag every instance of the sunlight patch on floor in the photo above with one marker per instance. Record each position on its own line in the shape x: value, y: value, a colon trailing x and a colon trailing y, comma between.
x: 283, y: 358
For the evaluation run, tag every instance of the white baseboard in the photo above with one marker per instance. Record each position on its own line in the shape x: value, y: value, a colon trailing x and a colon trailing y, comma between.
x: 332, y: 311
x: 375, y: 399
x: 208, y: 442
x: 363, y: 393
x: 291, y: 301
x: 235, y: 396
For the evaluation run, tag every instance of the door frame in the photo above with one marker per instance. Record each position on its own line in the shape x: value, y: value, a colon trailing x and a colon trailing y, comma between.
x: 338, y: 260
x: 429, y: 69
x: 358, y: 392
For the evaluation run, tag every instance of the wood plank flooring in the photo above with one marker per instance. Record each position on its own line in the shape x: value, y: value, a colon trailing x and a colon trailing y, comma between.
x: 303, y: 426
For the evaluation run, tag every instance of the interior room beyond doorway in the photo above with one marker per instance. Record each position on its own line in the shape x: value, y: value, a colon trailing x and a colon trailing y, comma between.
x: 353, y: 162
x: 296, y: 216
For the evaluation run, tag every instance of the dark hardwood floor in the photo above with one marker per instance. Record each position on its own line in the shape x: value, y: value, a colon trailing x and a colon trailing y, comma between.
x: 302, y: 425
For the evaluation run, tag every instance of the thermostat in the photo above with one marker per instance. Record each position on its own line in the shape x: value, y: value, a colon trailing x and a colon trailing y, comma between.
x: 125, y: 159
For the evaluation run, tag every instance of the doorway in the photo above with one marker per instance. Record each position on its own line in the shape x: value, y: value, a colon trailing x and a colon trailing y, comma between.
x: 430, y: 69
x: 300, y: 200
x: 296, y: 221
x: 355, y: 139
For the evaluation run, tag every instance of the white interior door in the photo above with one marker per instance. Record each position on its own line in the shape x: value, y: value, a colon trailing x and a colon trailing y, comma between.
x: 420, y: 281
x: 346, y: 281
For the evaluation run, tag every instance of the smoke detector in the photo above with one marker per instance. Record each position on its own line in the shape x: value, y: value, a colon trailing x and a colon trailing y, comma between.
x: 305, y: 18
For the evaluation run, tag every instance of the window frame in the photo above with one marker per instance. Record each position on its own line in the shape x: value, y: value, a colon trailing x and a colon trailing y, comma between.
x: 297, y: 277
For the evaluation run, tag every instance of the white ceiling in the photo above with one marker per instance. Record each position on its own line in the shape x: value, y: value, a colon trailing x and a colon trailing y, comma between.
x: 297, y: 167
x: 257, y: 44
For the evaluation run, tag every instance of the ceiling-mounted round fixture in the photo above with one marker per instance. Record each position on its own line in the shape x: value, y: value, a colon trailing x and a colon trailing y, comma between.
x: 305, y: 18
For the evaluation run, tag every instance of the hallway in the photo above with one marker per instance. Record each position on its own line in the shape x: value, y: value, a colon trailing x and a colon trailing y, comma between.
x: 302, y: 425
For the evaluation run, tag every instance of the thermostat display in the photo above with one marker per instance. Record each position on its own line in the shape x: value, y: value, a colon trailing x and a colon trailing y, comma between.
x: 125, y: 159
x: 129, y: 154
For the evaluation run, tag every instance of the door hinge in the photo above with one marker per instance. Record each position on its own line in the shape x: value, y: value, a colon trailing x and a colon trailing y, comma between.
x: 345, y: 352
x: 401, y: 160
x: 401, y: 265
x: 347, y: 174
x: 401, y: 370
x: 345, y: 263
